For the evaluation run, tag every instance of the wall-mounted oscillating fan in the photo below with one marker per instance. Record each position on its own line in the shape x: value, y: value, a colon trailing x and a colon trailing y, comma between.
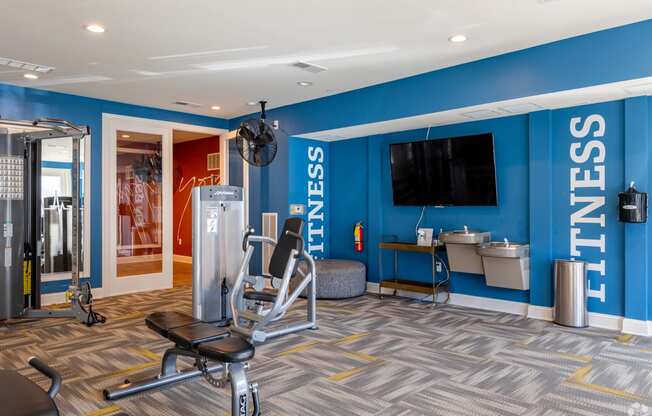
x: 257, y: 140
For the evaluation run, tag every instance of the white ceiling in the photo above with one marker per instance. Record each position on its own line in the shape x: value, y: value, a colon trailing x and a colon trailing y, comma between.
x: 156, y: 52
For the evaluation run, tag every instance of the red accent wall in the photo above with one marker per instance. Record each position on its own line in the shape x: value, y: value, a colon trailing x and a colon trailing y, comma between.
x: 190, y: 169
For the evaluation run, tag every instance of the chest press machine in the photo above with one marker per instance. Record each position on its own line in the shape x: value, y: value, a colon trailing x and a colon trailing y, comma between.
x: 225, y: 294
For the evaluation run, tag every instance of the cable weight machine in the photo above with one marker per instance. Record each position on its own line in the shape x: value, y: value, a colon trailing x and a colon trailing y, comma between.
x: 20, y: 212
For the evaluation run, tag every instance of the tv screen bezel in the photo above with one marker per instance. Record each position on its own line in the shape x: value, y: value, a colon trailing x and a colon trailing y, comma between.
x: 495, y: 171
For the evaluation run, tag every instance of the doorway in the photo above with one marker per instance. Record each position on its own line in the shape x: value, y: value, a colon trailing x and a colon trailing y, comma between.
x: 138, y: 231
x: 196, y: 162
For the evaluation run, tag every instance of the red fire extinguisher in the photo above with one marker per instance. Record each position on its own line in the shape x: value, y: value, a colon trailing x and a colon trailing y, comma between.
x: 357, y: 237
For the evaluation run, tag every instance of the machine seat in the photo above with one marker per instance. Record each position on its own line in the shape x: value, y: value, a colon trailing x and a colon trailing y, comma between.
x: 163, y: 322
x: 261, y: 296
x: 192, y: 335
x: 21, y: 397
x: 233, y: 349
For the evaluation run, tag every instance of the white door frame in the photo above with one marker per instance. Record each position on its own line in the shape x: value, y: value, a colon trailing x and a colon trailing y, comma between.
x: 112, y: 285
x: 224, y: 170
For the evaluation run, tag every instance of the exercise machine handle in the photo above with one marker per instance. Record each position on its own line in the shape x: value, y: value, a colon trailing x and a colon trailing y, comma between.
x: 299, y: 242
x: 255, y: 398
x: 245, y: 241
x: 50, y: 373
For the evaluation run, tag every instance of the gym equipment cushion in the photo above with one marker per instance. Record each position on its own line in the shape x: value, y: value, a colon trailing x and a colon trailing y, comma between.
x: 337, y: 279
x: 190, y: 336
x: 260, y: 296
x: 163, y: 322
x: 228, y: 350
x: 20, y: 397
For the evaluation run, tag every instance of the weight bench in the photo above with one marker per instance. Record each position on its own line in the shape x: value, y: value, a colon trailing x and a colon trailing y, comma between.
x: 204, y: 343
x: 21, y: 397
x: 229, y: 349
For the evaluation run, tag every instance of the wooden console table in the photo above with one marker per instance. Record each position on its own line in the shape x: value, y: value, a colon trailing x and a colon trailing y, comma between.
x: 410, y: 285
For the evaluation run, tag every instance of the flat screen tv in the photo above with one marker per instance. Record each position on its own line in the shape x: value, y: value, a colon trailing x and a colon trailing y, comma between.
x: 452, y: 171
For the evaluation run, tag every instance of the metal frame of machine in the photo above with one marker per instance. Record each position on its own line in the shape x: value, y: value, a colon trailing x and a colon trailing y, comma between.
x: 252, y: 321
x: 30, y: 136
x: 217, y: 227
x: 216, y: 280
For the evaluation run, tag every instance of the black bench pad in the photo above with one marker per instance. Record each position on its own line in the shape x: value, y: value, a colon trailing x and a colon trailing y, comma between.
x: 191, y: 335
x: 163, y: 322
x: 21, y: 397
x: 260, y: 296
x: 233, y: 349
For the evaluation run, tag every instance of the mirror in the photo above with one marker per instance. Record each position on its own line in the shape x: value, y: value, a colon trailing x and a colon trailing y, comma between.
x: 56, y: 201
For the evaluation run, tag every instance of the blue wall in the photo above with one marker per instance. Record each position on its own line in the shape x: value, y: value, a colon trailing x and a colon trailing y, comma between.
x: 349, y: 179
x: 567, y: 64
x: 613, y: 300
x: 535, y: 158
x: 353, y: 194
x: 28, y: 104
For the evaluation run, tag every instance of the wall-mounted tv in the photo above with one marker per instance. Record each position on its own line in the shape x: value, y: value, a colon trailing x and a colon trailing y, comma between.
x: 451, y: 171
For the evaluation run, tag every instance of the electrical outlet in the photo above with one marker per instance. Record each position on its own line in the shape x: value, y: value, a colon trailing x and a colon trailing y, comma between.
x: 297, y: 209
x: 438, y: 266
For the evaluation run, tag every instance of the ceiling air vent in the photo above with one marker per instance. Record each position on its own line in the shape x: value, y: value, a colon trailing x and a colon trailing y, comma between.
x: 187, y: 104
x: 520, y: 108
x: 312, y: 68
x: 14, y: 63
x: 481, y: 114
x: 213, y: 161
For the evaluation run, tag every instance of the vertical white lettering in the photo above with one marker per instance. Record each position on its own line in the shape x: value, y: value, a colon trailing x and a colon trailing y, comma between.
x: 587, y: 182
x: 580, y: 216
x: 315, y: 186
x: 586, y: 127
x: 585, y: 242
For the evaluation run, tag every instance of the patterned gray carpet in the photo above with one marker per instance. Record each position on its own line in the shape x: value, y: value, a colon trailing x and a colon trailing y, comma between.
x: 370, y: 357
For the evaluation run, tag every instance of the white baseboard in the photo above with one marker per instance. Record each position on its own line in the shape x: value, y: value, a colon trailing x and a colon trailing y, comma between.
x: 373, y: 287
x: 489, y: 304
x: 60, y: 297
x: 604, y: 321
x: 543, y: 313
x: 596, y: 320
x: 182, y: 259
x: 636, y: 327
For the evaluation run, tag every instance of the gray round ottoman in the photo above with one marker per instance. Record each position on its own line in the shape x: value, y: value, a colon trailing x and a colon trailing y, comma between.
x: 337, y: 279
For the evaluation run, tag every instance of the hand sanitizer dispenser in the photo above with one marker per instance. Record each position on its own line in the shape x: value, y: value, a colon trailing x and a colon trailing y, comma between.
x: 632, y: 205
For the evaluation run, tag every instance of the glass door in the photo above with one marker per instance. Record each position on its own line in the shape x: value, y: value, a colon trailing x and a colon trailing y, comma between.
x: 139, y: 206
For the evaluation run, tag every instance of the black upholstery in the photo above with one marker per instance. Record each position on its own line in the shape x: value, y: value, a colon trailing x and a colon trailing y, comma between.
x: 286, y: 243
x: 233, y: 349
x: 192, y: 335
x: 260, y: 296
x: 163, y: 322
x: 21, y: 397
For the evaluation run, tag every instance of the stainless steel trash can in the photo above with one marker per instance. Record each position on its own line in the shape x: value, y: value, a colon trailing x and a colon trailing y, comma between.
x: 571, y: 293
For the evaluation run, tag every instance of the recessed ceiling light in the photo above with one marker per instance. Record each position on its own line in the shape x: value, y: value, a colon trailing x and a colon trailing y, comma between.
x: 95, y: 28
x: 125, y: 136
x: 457, y: 38
x: 252, y: 103
x: 304, y: 83
x: 29, y: 75
x: 216, y: 107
